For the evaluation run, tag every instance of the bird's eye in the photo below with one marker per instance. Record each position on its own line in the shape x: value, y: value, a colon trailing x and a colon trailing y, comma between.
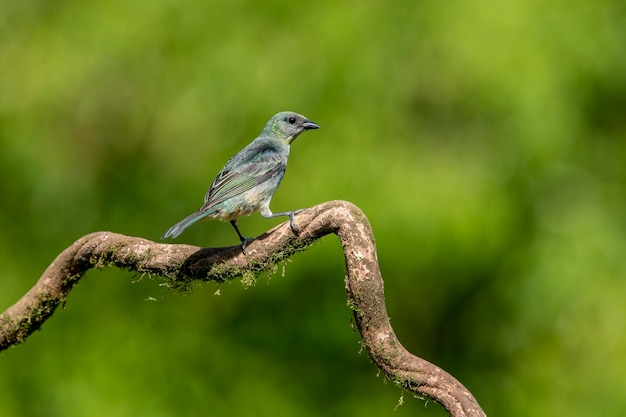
x: 291, y: 120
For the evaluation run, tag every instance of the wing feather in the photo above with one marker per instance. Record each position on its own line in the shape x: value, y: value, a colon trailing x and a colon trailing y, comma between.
x: 236, y: 179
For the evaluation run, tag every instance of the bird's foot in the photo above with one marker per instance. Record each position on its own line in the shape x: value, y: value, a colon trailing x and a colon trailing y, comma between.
x: 292, y: 223
x: 244, y: 242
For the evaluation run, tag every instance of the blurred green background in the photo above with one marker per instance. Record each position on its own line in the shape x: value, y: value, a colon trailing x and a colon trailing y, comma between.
x: 486, y: 143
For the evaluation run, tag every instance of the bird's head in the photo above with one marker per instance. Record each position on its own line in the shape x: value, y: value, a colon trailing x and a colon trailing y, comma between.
x: 288, y: 125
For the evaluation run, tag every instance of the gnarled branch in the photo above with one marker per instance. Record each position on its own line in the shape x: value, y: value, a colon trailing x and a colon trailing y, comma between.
x: 181, y: 264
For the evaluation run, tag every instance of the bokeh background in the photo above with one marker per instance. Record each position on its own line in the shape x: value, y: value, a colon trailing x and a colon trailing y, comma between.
x: 485, y: 141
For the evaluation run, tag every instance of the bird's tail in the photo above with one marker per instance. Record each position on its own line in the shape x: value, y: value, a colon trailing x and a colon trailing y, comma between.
x: 178, y: 228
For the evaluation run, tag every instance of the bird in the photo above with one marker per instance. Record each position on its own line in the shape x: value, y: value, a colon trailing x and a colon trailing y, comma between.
x: 250, y: 178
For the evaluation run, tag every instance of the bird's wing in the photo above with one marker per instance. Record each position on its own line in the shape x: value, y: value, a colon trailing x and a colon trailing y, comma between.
x: 237, y: 179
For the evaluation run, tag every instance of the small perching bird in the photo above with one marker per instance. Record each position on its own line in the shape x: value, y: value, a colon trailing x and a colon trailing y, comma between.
x: 249, y: 179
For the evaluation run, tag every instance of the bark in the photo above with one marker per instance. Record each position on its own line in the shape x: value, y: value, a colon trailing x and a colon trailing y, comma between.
x: 180, y: 265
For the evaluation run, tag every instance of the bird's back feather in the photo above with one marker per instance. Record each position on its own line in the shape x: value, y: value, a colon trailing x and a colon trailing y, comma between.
x: 260, y: 161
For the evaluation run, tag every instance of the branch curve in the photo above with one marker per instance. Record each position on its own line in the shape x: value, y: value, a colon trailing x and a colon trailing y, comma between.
x: 182, y: 264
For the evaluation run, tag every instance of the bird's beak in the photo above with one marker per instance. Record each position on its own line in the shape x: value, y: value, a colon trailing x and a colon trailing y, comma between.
x: 310, y: 125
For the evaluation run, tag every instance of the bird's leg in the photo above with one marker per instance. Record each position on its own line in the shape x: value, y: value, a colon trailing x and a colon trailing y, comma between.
x: 244, y: 240
x: 267, y: 213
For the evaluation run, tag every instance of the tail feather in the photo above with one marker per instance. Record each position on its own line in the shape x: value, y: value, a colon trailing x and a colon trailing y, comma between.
x: 178, y: 228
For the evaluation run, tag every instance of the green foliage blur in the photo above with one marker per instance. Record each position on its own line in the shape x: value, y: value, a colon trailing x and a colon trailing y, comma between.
x: 485, y: 141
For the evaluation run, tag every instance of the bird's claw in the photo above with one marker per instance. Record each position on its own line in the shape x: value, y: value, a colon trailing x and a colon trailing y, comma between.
x: 244, y: 242
x: 292, y: 223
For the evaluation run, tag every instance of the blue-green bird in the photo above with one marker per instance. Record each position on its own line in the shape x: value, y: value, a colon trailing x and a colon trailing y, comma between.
x: 249, y: 179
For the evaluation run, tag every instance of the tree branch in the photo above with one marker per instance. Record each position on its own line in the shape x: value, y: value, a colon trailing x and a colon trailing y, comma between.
x: 182, y: 264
